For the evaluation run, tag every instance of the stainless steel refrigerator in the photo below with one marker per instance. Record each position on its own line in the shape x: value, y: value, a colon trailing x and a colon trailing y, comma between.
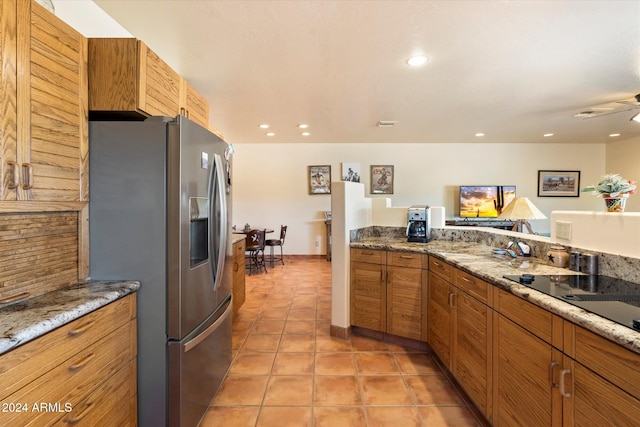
x: 159, y: 212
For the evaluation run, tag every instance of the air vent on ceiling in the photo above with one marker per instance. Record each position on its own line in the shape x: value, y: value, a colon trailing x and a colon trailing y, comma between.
x: 386, y: 123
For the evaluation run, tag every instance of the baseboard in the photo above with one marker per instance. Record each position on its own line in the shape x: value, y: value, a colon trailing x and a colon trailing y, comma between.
x: 340, y: 332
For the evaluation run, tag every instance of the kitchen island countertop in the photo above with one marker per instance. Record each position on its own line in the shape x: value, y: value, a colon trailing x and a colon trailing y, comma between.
x: 34, y: 317
x: 479, y: 260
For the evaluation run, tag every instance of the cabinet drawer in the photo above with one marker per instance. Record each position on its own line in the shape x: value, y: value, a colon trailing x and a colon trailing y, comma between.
x: 33, y: 359
x: 69, y: 382
x: 475, y: 287
x: 441, y: 268
x: 536, y: 320
x: 369, y: 255
x: 406, y: 259
x: 105, y: 401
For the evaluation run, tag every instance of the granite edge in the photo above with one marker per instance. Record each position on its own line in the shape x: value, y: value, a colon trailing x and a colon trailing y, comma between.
x: 19, y: 327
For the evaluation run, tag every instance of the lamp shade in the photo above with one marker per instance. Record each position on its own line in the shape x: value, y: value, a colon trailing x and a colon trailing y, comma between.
x: 521, y: 208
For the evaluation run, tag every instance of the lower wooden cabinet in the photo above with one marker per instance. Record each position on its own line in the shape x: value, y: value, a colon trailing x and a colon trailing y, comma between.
x: 238, y: 290
x: 389, y: 292
x: 79, y: 374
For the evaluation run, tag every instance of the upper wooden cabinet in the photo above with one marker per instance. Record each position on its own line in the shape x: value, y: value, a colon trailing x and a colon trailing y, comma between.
x: 128, y: 79
x: 44, y: 131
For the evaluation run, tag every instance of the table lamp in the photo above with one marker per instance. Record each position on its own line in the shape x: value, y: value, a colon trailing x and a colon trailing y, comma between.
x: 521, y: 209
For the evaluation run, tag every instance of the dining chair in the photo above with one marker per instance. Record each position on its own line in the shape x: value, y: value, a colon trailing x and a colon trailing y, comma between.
x: 277, y: 242
x: 254, y: 251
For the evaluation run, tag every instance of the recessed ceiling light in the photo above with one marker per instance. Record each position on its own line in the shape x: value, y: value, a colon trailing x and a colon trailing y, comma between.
x: 270, y: 134
x: 613, y: 135
x: 546, y: 135
x: 479, y: 134
x: 263, y: 126
x: 303, y: 125
x: 417, y: 60
x: 306, y: 133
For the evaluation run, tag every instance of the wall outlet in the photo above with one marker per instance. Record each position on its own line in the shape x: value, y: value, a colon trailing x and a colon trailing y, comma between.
x: 317, y: 244
x: 563, y: 230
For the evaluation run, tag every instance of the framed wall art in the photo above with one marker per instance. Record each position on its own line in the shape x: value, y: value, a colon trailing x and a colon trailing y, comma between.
x: 382, y: 179
x: 351, y: 172
x: 320, y: 179
x: 558, y: 183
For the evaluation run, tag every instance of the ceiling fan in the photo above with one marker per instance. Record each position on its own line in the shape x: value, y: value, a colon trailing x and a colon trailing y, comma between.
x: 614, y: 107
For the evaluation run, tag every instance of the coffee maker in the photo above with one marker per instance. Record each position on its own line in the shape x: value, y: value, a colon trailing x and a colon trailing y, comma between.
x: 418, y: 227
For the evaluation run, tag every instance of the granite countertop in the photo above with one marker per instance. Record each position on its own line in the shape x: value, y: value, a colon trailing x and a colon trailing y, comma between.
x: 478, y: 259
x: 34, y: 317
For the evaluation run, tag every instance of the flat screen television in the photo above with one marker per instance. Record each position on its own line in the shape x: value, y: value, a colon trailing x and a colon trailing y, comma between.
x: 485, y: 201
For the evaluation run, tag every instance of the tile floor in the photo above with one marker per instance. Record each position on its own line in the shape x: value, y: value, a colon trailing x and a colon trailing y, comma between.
x: 288, y: 371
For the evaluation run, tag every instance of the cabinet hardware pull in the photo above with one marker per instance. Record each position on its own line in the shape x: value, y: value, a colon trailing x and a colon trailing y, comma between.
x: 436, y: 263
x: 27, y: 176
x: 563, y: 375
x: 12, y: 171
x: 80, y: 416
x: 15, y: 298
x: 82, y: 362
x: 552, y: 367
x: 182, y: 111
x: 452, y: 300
x: 235, y: 266
x: 468, y: 280
x: 81, y: 329
x: 406, y: 256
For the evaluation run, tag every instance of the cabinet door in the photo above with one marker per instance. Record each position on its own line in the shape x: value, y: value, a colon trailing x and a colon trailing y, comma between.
x: 52, y: 109
x: 368, y: 296
x: 593, y: 401
x: 8, y: 93
x: 405, y: 302
x: 238, y: 275
x: 440, y: 326
x: 193, y: 105
x: 525, y: 369
x: 473, y: 353
x: 159, y: 84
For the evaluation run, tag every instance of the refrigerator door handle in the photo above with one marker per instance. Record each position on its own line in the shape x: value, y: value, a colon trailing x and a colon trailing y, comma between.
x: 218, y: 220
x: 211, y: 329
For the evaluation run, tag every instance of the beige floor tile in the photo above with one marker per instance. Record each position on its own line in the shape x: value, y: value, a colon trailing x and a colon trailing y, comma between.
x: 385, y: 416
x: 335, y: 364
x: 264, y: 343
x: 231, y: 416
x: 432, y: 390
x: 384, y: 390
x: 241, y: 390
x: 339, y: 417
x: 285, y: 390
x: 252, y: 363
x: 302, y: 314
x: 417, y: 363
x: 284, y: 417
x: 298, y: 327
x: 376, y: 363
x: 264, y: 326
x: 367, y: 344
x: 336, y: 391
x: 323, y: 314
x: 331, y: 344
x: 293, y: 364
x: 447, y: 416
x: 274, y: 313
x: 297, y: 343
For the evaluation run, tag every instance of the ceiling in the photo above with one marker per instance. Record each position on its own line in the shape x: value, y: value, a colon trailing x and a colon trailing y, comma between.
x: 513, y: 70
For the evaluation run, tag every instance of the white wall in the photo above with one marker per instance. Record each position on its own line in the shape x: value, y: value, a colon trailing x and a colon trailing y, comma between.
x: 623, y: 157
x: 270, y: 185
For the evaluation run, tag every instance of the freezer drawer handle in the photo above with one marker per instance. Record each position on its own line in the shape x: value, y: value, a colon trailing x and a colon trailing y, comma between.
x: 204, y: 334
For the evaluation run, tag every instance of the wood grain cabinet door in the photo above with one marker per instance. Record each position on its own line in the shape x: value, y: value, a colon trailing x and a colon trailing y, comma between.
x: 525, y: 369
x: 193, y: 105
x: 441, y: 326
x: 405, y: 302
x: 369, y: 296
x: 8, y: 93
x: 52, y: 130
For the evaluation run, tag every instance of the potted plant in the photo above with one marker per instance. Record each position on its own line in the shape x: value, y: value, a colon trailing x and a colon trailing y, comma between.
x: 614, y: 189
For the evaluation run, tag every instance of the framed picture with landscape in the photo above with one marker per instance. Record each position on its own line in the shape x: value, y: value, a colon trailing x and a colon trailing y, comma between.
x: 382, y: 179
x: 558, y: 183
x: 320, y: 179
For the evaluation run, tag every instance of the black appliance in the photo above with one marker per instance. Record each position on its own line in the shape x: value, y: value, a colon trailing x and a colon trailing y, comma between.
x: 418, y: 227
x: 615, y: 299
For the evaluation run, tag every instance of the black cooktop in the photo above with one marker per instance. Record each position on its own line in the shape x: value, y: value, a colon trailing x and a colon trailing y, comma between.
x: 614, y: 299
